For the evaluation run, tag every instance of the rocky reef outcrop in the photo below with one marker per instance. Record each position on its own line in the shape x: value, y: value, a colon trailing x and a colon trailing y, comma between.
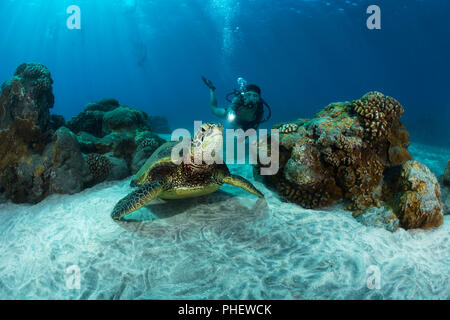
x: 351, y: 150
x: 40, y: 154
x: 63, y: 164
x: 27, y: 95
x: 159, y: 124
x: 22, y: 144
x: 444, y: 181
x: 415, y: 196
x: 108, y: 116
x: 25, y: 101
x: 120, y: 132
x: 446, y: 178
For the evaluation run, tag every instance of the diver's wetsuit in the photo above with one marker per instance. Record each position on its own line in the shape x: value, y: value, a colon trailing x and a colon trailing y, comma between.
x: 247, y: 116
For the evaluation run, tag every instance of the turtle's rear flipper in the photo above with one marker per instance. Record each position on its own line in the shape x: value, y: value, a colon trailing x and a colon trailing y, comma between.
x: 240, y: 182
x: 137, y: 199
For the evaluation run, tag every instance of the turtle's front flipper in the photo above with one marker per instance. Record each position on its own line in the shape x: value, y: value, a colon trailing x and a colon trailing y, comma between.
x: 240, y: 182
x: 137, y: 199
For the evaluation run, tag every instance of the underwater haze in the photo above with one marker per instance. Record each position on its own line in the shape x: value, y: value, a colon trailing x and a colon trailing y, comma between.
x: 150, y: 54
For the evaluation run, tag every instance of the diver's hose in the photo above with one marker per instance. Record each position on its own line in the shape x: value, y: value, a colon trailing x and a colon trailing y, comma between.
x: 269, y: 109
x: 234, y: 93
x: 228, y: 96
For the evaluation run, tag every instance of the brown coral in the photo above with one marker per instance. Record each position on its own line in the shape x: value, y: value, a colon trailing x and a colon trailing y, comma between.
x: 288, y: 128
x: 344, y: 152
x: 377, y: 113
x: 147, y: 142
x: 99, y: 165
x: 19, y: 140
x: 417, y: 202
x: 306, y: 197
x: 21, y: 146
x: 27, y: 95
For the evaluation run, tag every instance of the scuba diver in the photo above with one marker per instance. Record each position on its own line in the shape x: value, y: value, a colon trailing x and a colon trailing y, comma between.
x: 246, y: 107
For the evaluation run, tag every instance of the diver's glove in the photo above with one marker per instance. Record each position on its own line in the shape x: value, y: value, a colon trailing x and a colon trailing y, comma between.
x: 208, y: 83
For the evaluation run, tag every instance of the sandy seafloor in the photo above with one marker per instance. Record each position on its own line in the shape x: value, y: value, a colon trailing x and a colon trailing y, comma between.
x: 227, y: 245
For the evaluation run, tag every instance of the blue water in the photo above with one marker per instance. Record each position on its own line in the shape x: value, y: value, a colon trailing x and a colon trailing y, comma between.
x: 303, y: 54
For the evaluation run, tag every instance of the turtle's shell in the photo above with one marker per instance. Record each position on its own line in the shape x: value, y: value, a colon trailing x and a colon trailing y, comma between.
x: 159, y: 165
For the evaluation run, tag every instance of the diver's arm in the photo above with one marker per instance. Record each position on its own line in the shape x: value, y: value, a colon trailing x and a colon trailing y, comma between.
x: 219, y: 112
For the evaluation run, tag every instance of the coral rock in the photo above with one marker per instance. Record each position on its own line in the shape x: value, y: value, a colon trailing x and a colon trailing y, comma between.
x: 148, y: 139
x: 108, y: 127
x: 69, y: 172
x: 20, y: 148
x: 28, y: 95
x: 417, y: 202
x: 288, y: 128
x: 56, y: 122
x: 87, y: 121
x: 121, y: 144
x: 330, y: 156
x: 159, y: 124
x: 445, y: 195
x: 341, y: 153
x: 119, y: 168
x: 124, y: 118
x: 108, y: 116
x: 35, y: 166
x: 147, y: 142
x: 99, y: 165
x: 444, y: 181
x: 107, y: 167
x: 120, y: 132
x: 447, y: 174
x: 103, y: 105
x: 377, y: 113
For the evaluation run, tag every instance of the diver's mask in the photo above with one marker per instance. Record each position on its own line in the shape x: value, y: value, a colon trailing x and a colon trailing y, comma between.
x: 247, y: 98
x: 251, y: 98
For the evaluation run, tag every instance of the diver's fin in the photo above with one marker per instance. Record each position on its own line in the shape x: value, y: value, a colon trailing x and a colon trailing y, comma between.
x: 240, y: 182
x: 137, y: 199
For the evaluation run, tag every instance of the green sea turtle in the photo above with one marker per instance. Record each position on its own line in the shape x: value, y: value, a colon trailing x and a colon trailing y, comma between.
x: 161, y: 178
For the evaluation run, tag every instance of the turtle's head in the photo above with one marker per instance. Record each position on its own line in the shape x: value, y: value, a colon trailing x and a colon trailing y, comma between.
x: 208, y: 139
